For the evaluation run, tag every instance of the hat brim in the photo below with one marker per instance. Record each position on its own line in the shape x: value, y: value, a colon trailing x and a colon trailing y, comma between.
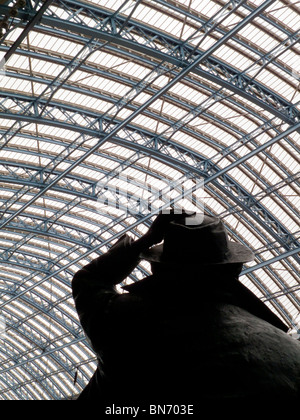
x: 238, y: 253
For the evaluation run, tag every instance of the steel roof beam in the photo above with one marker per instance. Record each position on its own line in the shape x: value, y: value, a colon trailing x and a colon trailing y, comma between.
x: 122, y: 80
x: 11, y: 256
x: 239, y: 83
x: 236, y: 78
x: 115, y: 236
x: 38, y: 231
x: 183, y: 163
x: 87, y: 115
x: 53, y: 264
x: 280, y: 283
x: 98, y: 14
x: 87, y: 254
x: 85, y: 241
x: 271, y: 261
x: 281, y: 310
x: 208, y: 167
x: 69, y: 369
x: 188, y: 14
x: 40, y: 343
x: 240, y: 142
x: 30, y: 371
x: 204, y: 54
x: 246, y: 138
x: 250, y: 202
x: 180, y: 76
x: 33, y: 172
x: 36, y: 19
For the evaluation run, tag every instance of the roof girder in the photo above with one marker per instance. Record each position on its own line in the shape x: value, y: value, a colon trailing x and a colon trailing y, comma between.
x: 232, y: 80
x: 206, y: 165
x: 236, y: 81
x: 181, y: 165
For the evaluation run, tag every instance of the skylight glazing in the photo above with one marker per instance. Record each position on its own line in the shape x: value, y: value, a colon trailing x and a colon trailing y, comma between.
x: 138, y: 94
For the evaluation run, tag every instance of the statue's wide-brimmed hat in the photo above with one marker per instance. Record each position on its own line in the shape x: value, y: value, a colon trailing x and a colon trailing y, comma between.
x: 198, y: 240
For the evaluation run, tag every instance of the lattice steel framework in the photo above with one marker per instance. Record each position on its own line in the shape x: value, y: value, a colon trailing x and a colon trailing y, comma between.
x: 158, y: 91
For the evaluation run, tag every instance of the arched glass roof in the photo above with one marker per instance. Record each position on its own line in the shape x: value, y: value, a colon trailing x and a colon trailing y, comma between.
x: 146, y: 92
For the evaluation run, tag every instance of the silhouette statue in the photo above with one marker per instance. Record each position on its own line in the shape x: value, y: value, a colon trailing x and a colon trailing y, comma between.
x: 190, y: 332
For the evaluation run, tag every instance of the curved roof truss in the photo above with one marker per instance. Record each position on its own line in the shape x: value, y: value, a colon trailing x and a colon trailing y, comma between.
x: 153, y: 91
